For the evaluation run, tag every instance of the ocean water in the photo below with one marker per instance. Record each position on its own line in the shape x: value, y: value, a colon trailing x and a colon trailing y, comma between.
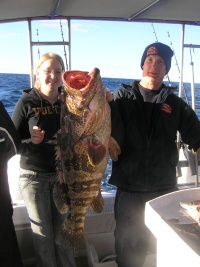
x: 12, y: 85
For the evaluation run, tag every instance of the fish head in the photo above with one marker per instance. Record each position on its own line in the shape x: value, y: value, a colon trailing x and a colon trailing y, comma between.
x: 80, y: 87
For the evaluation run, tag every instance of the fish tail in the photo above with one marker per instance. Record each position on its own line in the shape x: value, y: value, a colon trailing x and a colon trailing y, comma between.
x: 70, y: 237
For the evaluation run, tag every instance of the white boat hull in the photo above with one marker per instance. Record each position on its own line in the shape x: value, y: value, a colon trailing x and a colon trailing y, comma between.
x: 99, y: 228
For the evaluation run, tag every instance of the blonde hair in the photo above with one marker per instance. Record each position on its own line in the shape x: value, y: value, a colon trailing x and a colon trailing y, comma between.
x: 40, y: 62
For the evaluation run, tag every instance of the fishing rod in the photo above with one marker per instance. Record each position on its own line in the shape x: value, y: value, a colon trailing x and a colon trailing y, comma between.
x: 154, y: 32
x: 65, y: 54
x: 184, y: 89
x: 167, y: 76
x: 179, y: 142
x: 176, y: 62
x: 191, y: 156
x: 38, y: 42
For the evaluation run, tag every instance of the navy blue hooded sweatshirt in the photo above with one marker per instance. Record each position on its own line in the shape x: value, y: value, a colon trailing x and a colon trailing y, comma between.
x: 149, y: 156
x: 31, y: 110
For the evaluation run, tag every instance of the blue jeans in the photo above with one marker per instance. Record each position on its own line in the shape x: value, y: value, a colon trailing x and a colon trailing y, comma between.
x: 37, y: 192
x: 131, y: 234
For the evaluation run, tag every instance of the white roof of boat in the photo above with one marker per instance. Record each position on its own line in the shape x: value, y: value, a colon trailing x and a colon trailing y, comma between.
x: 180, y: 11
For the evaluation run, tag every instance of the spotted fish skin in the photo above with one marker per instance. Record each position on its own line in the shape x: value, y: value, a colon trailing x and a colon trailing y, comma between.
x: 82, y: 152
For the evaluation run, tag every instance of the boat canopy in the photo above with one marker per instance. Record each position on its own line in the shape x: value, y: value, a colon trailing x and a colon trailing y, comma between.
x: 172, y: 11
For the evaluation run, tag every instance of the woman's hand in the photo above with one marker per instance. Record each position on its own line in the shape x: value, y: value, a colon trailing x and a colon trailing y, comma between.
x: 37, y: 135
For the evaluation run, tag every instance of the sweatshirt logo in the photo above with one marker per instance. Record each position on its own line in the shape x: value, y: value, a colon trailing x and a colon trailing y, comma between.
x: 166, y: 108
x: 46, y: 110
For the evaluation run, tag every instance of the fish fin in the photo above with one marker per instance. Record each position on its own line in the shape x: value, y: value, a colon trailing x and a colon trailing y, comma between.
x: 97, y: 203
x: 68, y: 237
x: 96, y: 151
x: 114, y: 149
x: 60, y: 197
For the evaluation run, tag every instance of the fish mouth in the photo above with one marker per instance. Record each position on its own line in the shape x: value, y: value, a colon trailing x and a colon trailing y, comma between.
x: 81, y: 85
x: 78, y: 80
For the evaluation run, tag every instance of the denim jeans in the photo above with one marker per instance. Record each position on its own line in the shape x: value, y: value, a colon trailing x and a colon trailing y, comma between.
x: 131, y: 234
x: 37, y: 192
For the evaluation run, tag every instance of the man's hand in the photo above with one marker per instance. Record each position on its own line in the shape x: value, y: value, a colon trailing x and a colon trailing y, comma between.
x: 109, y: 96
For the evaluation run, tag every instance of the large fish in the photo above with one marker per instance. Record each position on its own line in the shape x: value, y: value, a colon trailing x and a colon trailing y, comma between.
x: 83, y: 146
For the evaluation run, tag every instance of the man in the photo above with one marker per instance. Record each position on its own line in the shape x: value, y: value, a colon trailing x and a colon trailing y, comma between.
x: 9, y: 143
x: 145, y: 119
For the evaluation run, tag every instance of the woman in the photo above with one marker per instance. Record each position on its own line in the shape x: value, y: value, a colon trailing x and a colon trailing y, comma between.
x: 37, y: 118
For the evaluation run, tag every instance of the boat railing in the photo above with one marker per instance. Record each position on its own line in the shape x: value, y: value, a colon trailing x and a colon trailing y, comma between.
x: 190, y: 156
x: 48, y: 43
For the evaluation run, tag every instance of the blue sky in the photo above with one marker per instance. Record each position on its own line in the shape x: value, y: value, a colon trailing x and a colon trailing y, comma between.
x: 114, y: 47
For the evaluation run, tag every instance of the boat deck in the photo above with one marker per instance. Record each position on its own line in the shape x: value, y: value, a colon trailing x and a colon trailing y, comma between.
x: 83, y: 262
x: 97, y: 229
x: 80, y: 262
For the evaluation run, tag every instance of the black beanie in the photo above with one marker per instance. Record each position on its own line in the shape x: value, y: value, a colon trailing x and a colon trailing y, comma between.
x: 160, y: 49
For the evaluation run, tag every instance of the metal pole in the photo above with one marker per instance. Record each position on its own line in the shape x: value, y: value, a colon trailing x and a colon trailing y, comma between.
x: 194, y: 108
x: 178, y: 140
x: 31, y: 53
x: 192, y: 83
x: 181, y: 56
x: 69, y: 45
x: 181, y: 77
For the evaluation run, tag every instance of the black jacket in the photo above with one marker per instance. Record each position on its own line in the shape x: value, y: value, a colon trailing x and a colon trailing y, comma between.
x: 148, y: 160
x: 9, y: 145
x: 31, y: 110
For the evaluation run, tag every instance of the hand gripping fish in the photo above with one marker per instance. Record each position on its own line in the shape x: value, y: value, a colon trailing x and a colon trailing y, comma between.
x: 83, y: 145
